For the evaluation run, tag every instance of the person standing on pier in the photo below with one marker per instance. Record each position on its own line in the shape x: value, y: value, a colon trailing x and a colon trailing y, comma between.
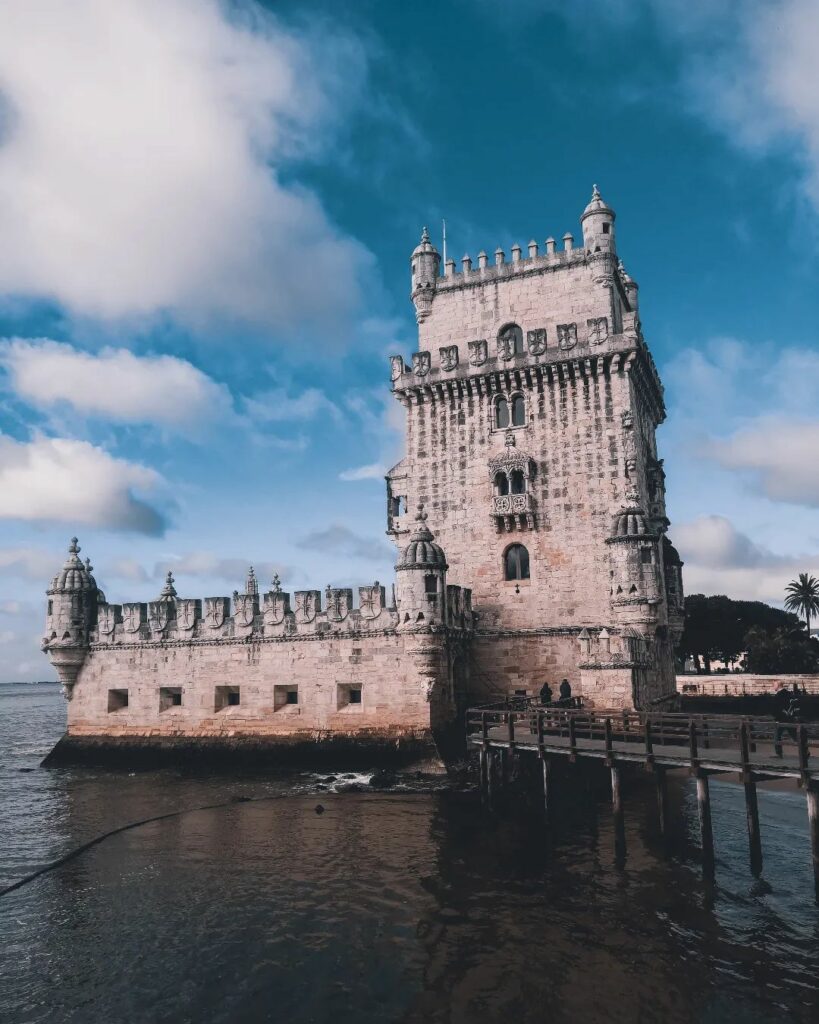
x: 565, y: 691
x: 545, y: 694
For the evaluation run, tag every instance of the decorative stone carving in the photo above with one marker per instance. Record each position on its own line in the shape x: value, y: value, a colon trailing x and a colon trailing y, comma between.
x: 536, y: 341
x: 106, y: 619
x: 308, y: 605
x: 371, y: 600
x: 478, y: 352
x: 188, y: 610
x: 627, y: 420
x: 133, y: 616
x: 598, y: 329
x: 245, y: 607
x: 216, y: 611
x: 276, y: 607
x: 567, y: 335
x: 449, y: 357
x: 396, y: 367
x: 160, y: 614
x: 421, y: 363
x: 510, y: 342
x: 339, y: 602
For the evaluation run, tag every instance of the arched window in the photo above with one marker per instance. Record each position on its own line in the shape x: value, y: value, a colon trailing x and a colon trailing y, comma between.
x: 516, y: 563
x: 501, y: 483
x: 518, y: 411
x: 502, y: 412
x: 518, y: 481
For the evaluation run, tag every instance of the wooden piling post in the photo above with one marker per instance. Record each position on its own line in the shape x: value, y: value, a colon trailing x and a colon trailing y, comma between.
x: 483, y: 762
x: 662, y: 799
x: 706, y: 831
x: 617, y: 811
x: 812, y: 793
x: 546, y: 783
x: 754, y: 838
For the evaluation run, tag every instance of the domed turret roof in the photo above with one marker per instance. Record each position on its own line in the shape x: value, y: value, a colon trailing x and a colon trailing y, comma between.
x: 75, y: 574
x: 597, y: 205
x: 422, y: 552
x: 424, y: 245
x: 630, y: 521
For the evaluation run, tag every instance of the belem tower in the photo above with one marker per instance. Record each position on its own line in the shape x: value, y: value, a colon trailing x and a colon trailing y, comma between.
x: 530, y: 526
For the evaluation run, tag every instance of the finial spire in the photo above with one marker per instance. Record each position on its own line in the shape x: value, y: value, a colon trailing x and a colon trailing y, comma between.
x: 596, y: 194
x: 421, y: 516
x: 251, y: 584
x: 73, y: 547
x: 424, y: 235
x: 168, y: 591
x: 88, y: 565
x: 276, y: 584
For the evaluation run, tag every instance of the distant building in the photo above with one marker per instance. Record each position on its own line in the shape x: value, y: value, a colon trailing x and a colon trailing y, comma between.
x: 531, y: 410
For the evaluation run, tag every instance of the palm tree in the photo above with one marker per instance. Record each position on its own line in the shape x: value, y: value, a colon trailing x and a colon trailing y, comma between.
x: 803, y: 596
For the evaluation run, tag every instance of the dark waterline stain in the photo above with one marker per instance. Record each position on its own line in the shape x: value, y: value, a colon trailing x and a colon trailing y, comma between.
x: 385, y: 907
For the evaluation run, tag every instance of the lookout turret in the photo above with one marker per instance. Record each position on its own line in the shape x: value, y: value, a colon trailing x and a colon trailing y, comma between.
x: 73, y: 600
x: 598, y: 225
x: 421, y: 581
x: 425, y: 266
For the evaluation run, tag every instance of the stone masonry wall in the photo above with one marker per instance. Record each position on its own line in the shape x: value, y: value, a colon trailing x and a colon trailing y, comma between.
x: 403, y: 681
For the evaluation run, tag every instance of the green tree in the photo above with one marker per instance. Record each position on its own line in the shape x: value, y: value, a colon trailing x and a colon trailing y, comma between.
x: 780, y: 650
x: 802, y: 596
x: 717, y: 627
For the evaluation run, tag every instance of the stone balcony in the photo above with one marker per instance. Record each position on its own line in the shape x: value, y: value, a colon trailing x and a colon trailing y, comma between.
x: 513, y: 512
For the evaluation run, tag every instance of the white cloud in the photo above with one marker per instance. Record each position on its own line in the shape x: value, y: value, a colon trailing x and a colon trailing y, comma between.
x: 29, y: 563
x: 780, y: 456
x: 115, y: 384
x: 141, y: 159
x: 233, y: 570
x: 61, y: 480
x: 338, y: 539
x: 375, y: 471
x: 276, y: 405
x: 719, y: 559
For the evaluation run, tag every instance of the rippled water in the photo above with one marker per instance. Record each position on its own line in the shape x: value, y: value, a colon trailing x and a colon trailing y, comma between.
x: 417, y: 906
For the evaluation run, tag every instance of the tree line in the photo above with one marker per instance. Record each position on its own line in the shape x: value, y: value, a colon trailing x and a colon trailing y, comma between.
x: 753, y: 635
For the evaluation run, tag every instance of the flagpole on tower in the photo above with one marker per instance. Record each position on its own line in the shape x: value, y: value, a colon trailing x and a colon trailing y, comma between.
x: 444, y: 245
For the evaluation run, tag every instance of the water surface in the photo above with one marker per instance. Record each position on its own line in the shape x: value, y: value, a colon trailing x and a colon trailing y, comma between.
x: 408, y: 906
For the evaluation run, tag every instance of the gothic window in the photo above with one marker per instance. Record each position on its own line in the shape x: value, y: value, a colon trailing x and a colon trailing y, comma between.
x: 516, y: 563
x: 501, y: 483
x: 518, y: 411
x: 518, y: 482
x: 501, y: 412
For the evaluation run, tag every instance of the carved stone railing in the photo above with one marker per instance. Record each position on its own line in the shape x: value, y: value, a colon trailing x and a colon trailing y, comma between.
x: 511, y: 504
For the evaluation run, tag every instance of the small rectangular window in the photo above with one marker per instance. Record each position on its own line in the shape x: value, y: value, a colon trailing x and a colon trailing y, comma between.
x: 50, y: 607
x: 520, y: 693
x: 645, y: 556
x: 226, y: 697
x: 285, y: 696
x: 606, y: 228
x: 348, y: 695
x: 117, y: 700
x: 355, y: 695
x: 170, y: 697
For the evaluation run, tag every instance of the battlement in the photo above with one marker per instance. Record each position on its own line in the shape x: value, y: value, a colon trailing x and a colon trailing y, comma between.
x: 499, y: 268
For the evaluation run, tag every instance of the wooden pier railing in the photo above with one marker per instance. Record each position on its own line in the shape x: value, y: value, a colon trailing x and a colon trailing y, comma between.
x: 758, y: 749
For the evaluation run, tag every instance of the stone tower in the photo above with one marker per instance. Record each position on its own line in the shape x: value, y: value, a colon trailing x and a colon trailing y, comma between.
x: 73, y: 601
x: 531, y: 410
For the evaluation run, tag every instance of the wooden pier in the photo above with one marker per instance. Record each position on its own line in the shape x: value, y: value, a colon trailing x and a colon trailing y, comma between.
x: 756, y: 749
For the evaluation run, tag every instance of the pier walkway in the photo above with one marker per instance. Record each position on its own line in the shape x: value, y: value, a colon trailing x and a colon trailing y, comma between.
x: 757, y: 749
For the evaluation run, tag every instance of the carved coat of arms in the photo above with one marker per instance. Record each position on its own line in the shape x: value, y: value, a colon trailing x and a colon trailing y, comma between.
x: 449, y: 357
x: 244, y: 609
x: 536, y: 341
x: 106, y: 619
x: 276, y: 606
x: 510, y: 342
x: 371, y: 600
x: 186, y: 610
x: 396, y: 367
x: 308, y: 603
x: 133, y: 615
x: 339, y: 602
x: 215, y: 612
x: 159, y: 615
x: 598, y: 330
x: 478, y: 352
x: 421, y: 363
x: 567, y: 335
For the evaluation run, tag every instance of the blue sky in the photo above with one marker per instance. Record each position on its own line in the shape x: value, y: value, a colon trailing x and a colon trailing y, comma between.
x: 206, y: 214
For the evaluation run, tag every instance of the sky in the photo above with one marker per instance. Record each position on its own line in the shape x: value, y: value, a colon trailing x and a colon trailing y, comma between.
x: 206, y: 215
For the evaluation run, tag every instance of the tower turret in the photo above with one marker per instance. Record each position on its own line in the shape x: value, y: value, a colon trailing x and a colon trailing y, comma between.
x: 425, y: 264
x: 421, y: 578
x: 634, y: 561
x: 73, y: 600
x: 597, y: 222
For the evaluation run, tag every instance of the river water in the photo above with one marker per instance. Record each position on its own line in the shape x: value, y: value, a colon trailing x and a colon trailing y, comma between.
x: 385, y: 906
